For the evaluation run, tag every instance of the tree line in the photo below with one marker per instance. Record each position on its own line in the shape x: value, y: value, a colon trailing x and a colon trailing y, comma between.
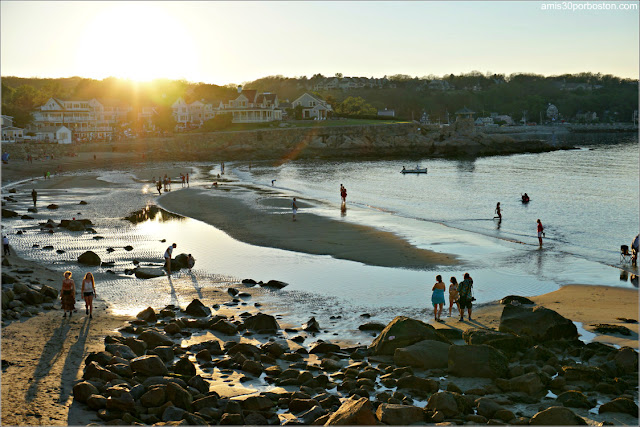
x: 611, y: 98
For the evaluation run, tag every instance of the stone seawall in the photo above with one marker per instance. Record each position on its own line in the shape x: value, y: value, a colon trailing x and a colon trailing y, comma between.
x: 384, y: 140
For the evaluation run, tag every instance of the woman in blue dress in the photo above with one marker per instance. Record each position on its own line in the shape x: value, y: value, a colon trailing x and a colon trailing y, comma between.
x: 437, y: 297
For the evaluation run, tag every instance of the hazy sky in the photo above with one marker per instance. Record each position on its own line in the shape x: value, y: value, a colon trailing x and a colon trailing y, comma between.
x: 234, y: 42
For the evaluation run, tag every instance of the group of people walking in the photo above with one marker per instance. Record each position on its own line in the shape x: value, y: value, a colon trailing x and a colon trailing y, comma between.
x: 68, y: 293
x: 460, y: 294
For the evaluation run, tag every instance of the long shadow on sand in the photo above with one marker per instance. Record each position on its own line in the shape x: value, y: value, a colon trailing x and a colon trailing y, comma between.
x: 196, y: 285
x: 50, y: 353
x: 174, y: 297
x: 73, y: 361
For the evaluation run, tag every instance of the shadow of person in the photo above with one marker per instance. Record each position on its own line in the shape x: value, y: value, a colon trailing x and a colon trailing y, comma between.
x: 174, y: 297
x: 51, y: 351
x: 73, y: 361
x: 196, y: 285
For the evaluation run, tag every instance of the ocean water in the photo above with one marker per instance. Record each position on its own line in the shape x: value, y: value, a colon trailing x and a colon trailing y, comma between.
x: 586, y: 198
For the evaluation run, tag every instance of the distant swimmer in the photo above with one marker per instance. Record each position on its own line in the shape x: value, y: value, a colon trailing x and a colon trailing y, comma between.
x: 525, y: 198
x: 272, y: 181
x: 498, y: 213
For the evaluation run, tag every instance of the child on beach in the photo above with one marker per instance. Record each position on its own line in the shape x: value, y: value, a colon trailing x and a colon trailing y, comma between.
x: 88, y: 291
x: 453, y: 295
x: 68, y: 294
x: 437, y: 297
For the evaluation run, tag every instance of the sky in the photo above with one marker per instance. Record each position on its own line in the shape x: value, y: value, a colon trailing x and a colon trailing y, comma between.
x: 235, y: 42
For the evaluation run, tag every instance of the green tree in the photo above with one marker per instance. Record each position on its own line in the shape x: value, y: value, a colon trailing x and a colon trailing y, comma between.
x: 164, y: 119
x: 219, y: 122
x: 355, y: 106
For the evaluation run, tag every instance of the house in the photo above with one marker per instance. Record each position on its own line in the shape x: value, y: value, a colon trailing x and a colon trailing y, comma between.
x: 504, y: 118
x: 54, y: 134
x: 440, y: 85
x: 146, y: 117
x: 484, y: 121
x: 312, y: 107
x: 86, y: 119
x: 387, y: 113
x: 251, y: 107
x: 589, y: 116
x: 10, y: 133
x: 192, y: 115
x: 464, y: 113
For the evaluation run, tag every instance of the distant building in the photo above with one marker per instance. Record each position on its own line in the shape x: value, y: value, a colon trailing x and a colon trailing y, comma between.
x: 312, y: 107
x: 54, y: 135
x: 464, y: 113
x: 504, y: 118
x: 552, y: 112
x: 10, y: 133
x: 440, y: 85
x: 387, y: 113
x: 424, y: 119
x: 191, y: 115
x: 252, y: 107
x: 588, y: 117
x: 484, y: 121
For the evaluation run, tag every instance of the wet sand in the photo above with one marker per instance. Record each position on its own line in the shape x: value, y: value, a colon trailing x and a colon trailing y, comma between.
x: 272, y: 226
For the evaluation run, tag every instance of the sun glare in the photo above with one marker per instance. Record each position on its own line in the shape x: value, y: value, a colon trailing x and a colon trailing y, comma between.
x: 138, y: 41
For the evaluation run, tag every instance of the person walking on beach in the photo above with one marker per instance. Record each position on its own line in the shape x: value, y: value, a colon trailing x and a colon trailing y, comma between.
x: 343, y: 194
x: 88, y: 291
x: 437, y: 297
x: 294, y: 207
x: 159, y: 187
x: 465, y: 299
x: 68, y: 294
x: 454, y: 295
x: 167, y: 258
x: 34, y: 196
x: 187, y: 179
x: 5, y: 245
x: 540, y: 232
x: 498, y: 213
x: 183, y: 179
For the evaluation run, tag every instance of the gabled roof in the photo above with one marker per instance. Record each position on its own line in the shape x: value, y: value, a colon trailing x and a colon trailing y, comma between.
x: 266, y: 96
x: 51, y: 129
x: 465, y: 110
x: 250, y: 94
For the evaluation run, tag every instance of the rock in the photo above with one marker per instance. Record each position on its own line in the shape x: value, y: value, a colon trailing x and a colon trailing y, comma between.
x: 256, y: 403
x: 249, y: 282
x: 557, y: 416
x: 529, y: 383
x: 402, y: 332
x: 149, y: 365
x: 154, y: 339
x: 425, y: 354
x: 574, y: 399
x: 89, y: 258
x: 156, y: 396
x: 52, y: 206
x: 6, y: 213
x: 148, y: 315
x: 233, y: 292
x: 262, y: 323
x: 180, y: 261
x: 8, y: 279
x: 210, y: 401
x: 231, y: 419
x: 539, y: 323
x: 444, y: 402
x: 412, y: 382
x: 26, y: 217
x: 83, y: 390
x: 97, y: 402
x: 626, y: 358
x: 138, y: 346
x: 312, y: 415
x: 173, y: 413
x: 273, y: 348
x: 164, y: 352
x: 148, y: 272
x: 621, y: 404
x: 179, y: 396
x: 121, y: 350
x: 371, y: 326
x: 82, y: 202
x: 487, y: 407
x: 604, y: 328
x: 323, y: 347
x: 225, y: 327
x: 173, y: 328
x: 93, y: 370
x: 32, y: 297
x: 477, y: 361
x: 72, y: 225
x: 184, y: 366
x: 518, y: 299
x: 353, y: 412
x: 312, y: 325
x: 199, y: 384
x: 197, y: 309
x: 128, y: 248
x: 583, y: 373
x: 253, y: 367
x: 123, y: 402
x: 274, y: 284
x: 393, y: 414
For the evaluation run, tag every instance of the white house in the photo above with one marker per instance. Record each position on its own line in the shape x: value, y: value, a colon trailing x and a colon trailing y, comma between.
x: 10, y: 133
x: 194, y: 114
x: 54, y: 134
x: 312, y: 107
x: 251, y: 107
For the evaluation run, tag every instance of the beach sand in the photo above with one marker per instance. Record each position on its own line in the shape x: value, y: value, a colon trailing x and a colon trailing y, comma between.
x: 272, y: 226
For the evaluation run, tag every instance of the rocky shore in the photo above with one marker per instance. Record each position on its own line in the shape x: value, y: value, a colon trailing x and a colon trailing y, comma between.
x: 411, y: 373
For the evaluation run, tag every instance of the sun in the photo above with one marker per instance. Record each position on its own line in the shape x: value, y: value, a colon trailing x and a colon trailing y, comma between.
x: 138, y: 41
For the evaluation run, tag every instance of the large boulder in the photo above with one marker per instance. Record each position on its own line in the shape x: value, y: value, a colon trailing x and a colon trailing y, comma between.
x: 529, y: 383
x: 83, y: 390
x: 89, y: 258
x: 353, y: 412
x: 557, y: 416
x: 179, y: 396
x: 262, y: 323
x: 197, y: 309
x: 180, y: 261
x: 155, y: 339
x: 626, y: 358
x: 156, y: 396
x: 148, y: 315
x: 149, y: 365
x: 477, y: 361
x: 540, y: 323
x: 402, y: 332
x: 184, y: 366
x: 277, y: 284
x: 6, y: 213
x: 121, y: 350
x: 620, y: 404
x: 393, y: 414
x: 48, y: 291
x: 425, y: 354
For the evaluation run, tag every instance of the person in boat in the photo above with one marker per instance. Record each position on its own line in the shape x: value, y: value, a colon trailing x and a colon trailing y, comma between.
x: 403, y: 168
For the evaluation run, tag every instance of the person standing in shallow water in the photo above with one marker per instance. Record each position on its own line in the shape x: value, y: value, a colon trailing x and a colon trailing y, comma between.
x: 498, y: 213
x: 437, y: 298
x: 68, y: 294
x: 294, y: 208
x: 167, y: 258
x: 34, y: 196
x: 540, y: 232
x: 88, y: 291
x: 454, y: 295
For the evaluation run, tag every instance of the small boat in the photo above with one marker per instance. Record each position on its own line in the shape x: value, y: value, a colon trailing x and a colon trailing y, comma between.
x: 417, y: 170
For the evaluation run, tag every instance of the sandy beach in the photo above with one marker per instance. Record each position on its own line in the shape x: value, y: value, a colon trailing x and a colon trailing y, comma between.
x: 43, y: 356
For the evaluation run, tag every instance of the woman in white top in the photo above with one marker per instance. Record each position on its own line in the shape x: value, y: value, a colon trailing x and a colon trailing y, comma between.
x: 88, y: 293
